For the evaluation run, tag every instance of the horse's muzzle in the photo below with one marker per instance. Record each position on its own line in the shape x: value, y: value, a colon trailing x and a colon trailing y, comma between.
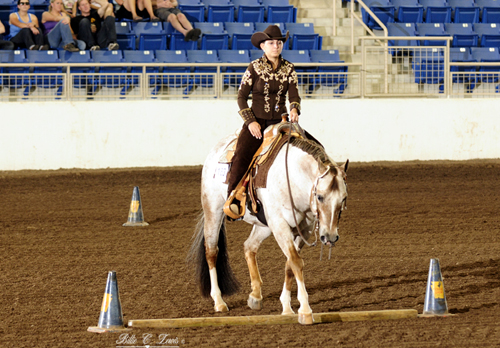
x: 329, y: 241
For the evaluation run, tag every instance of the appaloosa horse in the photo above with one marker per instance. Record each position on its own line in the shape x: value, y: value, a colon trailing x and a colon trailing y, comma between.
x: 318, y: 190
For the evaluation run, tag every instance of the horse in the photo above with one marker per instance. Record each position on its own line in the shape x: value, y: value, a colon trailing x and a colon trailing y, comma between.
x: 315, y: 186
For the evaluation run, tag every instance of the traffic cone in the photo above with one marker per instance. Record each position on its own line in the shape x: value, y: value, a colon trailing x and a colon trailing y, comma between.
x: 135, y: 216
x: 435, y: 298
x: 111, y: 318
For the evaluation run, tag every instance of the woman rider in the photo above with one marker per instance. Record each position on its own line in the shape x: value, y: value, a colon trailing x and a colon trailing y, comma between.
x: 269, y: 79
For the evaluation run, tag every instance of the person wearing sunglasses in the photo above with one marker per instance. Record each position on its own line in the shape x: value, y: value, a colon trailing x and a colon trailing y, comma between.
x: 24, y: 29
x: 57, y: 27
x: 4, y: 44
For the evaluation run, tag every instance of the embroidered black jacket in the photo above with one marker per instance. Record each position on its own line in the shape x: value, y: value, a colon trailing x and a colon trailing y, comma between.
x: 269, y: 88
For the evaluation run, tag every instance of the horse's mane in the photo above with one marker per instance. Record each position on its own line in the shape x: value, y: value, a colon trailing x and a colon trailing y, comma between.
x: 313, y: 149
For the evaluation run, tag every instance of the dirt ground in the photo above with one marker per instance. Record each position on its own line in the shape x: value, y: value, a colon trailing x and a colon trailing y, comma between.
x: 61, y: 232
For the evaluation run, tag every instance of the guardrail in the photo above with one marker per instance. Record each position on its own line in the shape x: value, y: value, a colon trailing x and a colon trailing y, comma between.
x: 151, y: 81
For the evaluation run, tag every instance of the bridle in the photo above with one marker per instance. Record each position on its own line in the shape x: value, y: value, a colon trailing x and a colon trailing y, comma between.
x: 314, y: 195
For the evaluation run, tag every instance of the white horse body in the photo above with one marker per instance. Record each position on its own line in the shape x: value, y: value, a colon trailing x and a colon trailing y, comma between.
x: 318, y: 191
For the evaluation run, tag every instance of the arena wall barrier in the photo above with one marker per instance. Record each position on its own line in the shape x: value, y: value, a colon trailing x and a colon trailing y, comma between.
x: 116, y: 134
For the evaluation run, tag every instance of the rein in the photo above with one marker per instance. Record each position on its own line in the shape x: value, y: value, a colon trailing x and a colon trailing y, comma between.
x: 316, y: 222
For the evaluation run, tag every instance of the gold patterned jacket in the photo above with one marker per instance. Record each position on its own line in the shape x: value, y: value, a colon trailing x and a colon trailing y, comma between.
x: 269, y: 88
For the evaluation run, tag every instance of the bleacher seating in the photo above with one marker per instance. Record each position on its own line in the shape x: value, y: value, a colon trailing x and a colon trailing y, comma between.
x: 463, y: 74
x: 402, y: 29
x: 428, y: 66
x: 408, y: 11
x: 431, y: 29
x: 234, y: 56
x: 338, y: 81
x: 240, y: 35
x: 79, y: 81
x: 151, y: 35
x: 140, y: 57
x: 176, y: 79
x: 214, y: 37
x: 194, y: 12
x: 464, y: 11
x: 463, y: 34
x: 487, y: 54
x: 384, y: 11
x: 219, y: 10
x: 436, y: 11
x: 17, y: 81
x: 249, y: 11
x: 47, y: 78
x: 303, y: 37
x: 114, y: 79
x: 489, y: 34
x: 125, y: 36
x: 203, y: 56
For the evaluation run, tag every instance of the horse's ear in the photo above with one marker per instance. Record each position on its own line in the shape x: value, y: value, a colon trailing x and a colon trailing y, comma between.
x: 344, y: 166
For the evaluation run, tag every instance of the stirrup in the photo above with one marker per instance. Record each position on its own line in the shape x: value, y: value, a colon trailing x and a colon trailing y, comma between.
x: 230, y: 207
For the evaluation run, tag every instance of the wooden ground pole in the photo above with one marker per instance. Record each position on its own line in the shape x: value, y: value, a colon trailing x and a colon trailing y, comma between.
x: 273, y: 319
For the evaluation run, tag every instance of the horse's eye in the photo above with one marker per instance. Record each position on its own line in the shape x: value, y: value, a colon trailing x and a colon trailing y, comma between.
x: 320, y: 198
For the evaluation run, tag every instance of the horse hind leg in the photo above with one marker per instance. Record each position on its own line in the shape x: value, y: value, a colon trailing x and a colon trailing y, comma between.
x: 251, y: 246
x: 209, y: 255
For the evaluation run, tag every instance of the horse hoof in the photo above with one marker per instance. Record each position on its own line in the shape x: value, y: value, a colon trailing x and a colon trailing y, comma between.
x: 221, y: 308
x: 306, y: 319
x: 254, y: 304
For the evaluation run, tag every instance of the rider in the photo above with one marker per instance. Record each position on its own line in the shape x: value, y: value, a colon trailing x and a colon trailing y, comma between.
x: 269, y: 79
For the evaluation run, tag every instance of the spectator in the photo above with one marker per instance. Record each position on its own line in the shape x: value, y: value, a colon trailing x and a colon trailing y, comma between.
x: 167, y: 11
x: 70, y: 7
x: 136, y: 10
x: 4, y: 45
x: 91, y: 28
x: 57, y: 29
x: 104, y: 8
x: 24, y: 29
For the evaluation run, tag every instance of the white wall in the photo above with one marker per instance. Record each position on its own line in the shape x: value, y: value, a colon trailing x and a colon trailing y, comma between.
x: 53, y: 135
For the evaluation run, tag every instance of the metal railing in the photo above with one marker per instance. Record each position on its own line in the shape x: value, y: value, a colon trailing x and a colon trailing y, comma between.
x: 90, y: 81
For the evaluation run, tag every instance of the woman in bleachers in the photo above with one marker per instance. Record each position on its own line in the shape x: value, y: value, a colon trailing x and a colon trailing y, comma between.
x: 24, y: 28
x: 136, y: 10
x: 57, y: 27
x: 167, y: 11
x: 4, y: 44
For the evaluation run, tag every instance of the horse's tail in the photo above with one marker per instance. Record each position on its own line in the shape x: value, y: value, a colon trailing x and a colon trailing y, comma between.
x: 228, y: 284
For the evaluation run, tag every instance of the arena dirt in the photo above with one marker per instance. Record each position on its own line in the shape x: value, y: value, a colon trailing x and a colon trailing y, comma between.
x: 61, y: 232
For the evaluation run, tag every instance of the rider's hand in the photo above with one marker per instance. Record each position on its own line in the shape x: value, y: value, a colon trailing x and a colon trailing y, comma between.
x: 254, y: 129
x: 294, y: 116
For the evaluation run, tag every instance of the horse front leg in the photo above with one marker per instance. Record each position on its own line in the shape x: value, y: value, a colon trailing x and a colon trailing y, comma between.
x: 251, y: 246
x: 296, y: 265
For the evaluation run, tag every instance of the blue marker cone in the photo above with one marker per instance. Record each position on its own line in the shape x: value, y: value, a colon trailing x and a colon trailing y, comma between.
x: 135, y: 215
x: 435, y: 298
x: 111, y: 317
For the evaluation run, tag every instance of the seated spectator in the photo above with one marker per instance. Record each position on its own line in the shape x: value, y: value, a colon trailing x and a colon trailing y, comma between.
x: 24, y: 29
x: 57, y: 29
x: 96, y: 30
x: 70, y: 7
x: 167, y: 11
x: 4, y: 45
x: 104, y: 8
x: 136, y: 10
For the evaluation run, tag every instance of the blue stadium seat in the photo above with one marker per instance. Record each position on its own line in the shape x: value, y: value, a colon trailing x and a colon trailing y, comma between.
x: 249, y: 11
x: 79, y: 81
x: 203, y: 56
x: 463, y: 76
x: 383, y: 9
x: 233, y: 56
x: 47, y: 80
x: 463, y: 34
x: 408, y: 11
x: 487, y: 54
x: 436, y: 11
x: 18, y: 80
x: 281, y: 14
x: 491, y: 13
x: 125, y: 37
x: 303, y: 37
x: 177, y: 42
x: 240, y: 35
x: 140, y: 57
x: 431, y: 29
x: 110, y: 76
x: 464, y: 11
x: 255, y: 54
x: 189, y: 2
x: 179, y: 76
x: 151, y: 35
x: 489, y: 34
x: 193, y: 12
x: 401, y: 29
x: 219, y: 10
x: 337, y: 81
x: 275, y: 2
x: 214, y: 37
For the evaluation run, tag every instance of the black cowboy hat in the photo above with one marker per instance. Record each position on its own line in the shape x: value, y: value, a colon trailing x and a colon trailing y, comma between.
x: 272, y: 32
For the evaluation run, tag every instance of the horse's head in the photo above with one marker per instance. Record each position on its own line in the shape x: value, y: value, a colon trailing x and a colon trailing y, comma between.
x: 328, y: 199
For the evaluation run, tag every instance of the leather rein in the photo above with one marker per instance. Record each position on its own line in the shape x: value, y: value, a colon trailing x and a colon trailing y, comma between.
x: 314, y: 193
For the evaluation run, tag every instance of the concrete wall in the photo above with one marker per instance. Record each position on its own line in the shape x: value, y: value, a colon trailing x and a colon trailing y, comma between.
x: 166, y: 133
